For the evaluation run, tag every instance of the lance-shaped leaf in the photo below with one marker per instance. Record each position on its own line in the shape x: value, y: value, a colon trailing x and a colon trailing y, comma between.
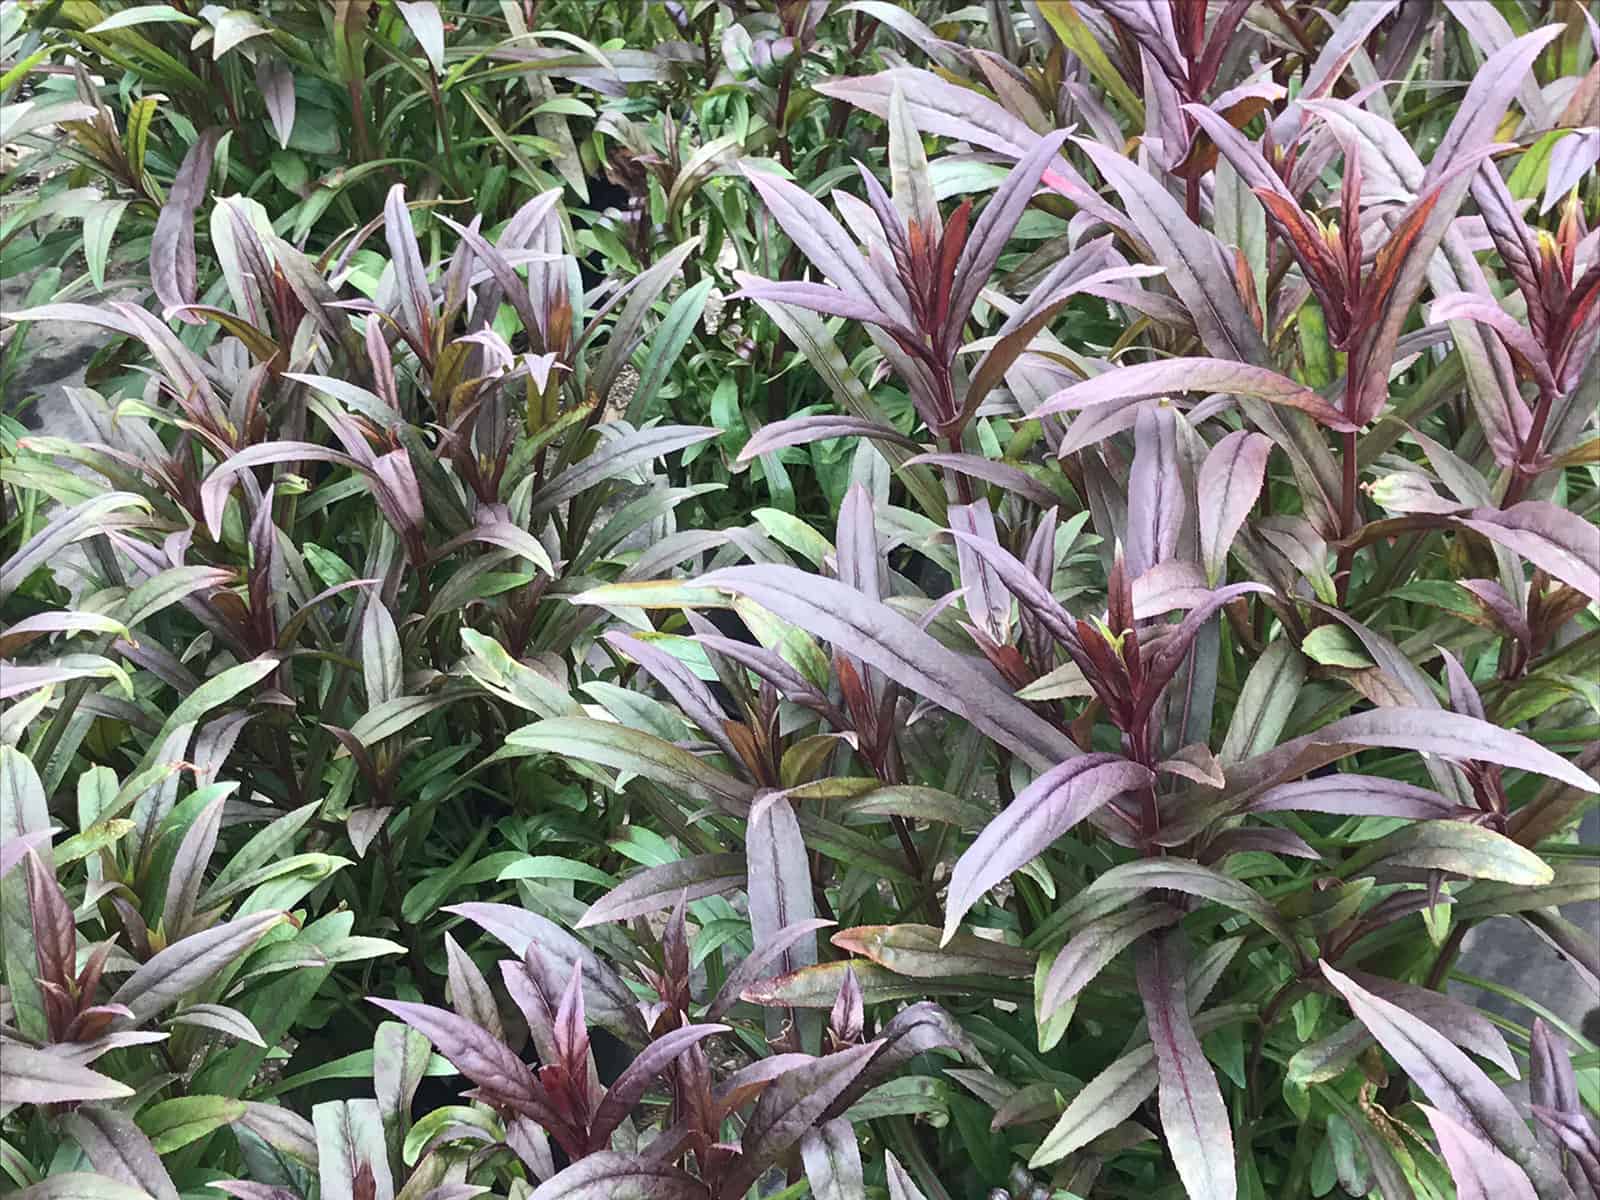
x: 1479, y: 1171
x: 790, y: 1106
x: 1181, y: 875
x: 612, y: 1176
x: 1452, y: 1081
x: 1041, y: 813
x: 813, y: 229
x: 801, y: 431
x: 1455, y: 846
x: 1226, y: 487
x: 1552, y: 1083
x: 833, y: 1161
x: 917, y: 950
x: 779, y: 878
x: 993, y: 228
x: 172, y: 265
x: 655, y: 888
x: 81, y: 1185
x: 1352, y: 795
x: 1157, y: 499
x: 1553, y: 538
x: 38, y: 1077
x: 630, y: 1086
x: 1457, y: 1020
x: 755, y: 965
x: 1194, y: 1121
x: 606, y: 998
x: 120, y: 1149
x: 1124, y: 386
x: 186, y: 964
x: 476, y: 1053
x: 617, y: 458
x: 1093, y: 946
x: 881, y: 637
x: 626, y: 749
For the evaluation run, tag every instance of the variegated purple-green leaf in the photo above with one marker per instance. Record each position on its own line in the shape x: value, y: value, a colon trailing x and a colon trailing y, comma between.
x: 832, y: 1160
x: 38, y: 1077
x: 758, y: 963
x: 1547, y: 535
x: 1226, y: 488
x: 656, y: 888
x: 1092, y: 948
x: 779, y: 878
x: 352, y: 1160
x: 172, y: 264
x: 1042, y: 812
x: 1182, y: 875
x: 1125, y: 386
x: 81, y: 1185
x: 630, y: 1086
x: 120, y: 1150
x: 276, y: 81
x: 790, y: 1106
x: 1194, y: 1121
x: 190, y: 962
x: 1479, y: 1171
x: 613, y: 1176
x: 1454, y: 1084
x: 476, y: 1053
x: 1157, y: 503
x: 883, y: 638
x: 802, y: 431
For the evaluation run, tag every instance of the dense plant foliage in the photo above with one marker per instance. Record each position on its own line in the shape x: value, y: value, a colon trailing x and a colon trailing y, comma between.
x: 738, y: 598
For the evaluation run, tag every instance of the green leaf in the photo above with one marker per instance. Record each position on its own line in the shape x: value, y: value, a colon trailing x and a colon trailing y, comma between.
x: 172, y: 1124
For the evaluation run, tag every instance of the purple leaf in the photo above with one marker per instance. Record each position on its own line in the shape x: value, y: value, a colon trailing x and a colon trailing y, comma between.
x: 1479, y: 1171
x: 1453, y: 1082
x: 469, y: 990
x: 756, y: 964
x: 1553, y: 538
x: 802, y: 431
x: 410, y: 276
x: 172, y: 265
x: 1355, y: 796
x: 38, y: 1077
x: 1463, y: 306
x: 630, y: 1086
x: 1552, y: 1083
x: 691, y: 696
x: 214, y: 491
x: 1041, y: 813
x: 186, y: 964
x: 1094, y: 945
x: 80, y: 1185
x: 789, y: 1107
x: 820, y: 298
x: 1012, y: 479
x: 987, y: 601
x: 656, y: 888
x: 1124, y: 386
x: 276, y: 82
x: 1157, y: 504
x: 16, y: 847
x: 119, y: 1149
x: 1182, y: 875
x: 881, y: 637
x: 476, y: 1053
x: 833, y: 1160
x: 189, y: 868
x: 779, y: 878
x: 610, y: 1176
x: 815, y: 232
x: 1503, y: 73
x: 609, y: 1002
x: 1226, y: 488
x: 1194, y: 1120
x: 617, y: 457
x: 993, y: 230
